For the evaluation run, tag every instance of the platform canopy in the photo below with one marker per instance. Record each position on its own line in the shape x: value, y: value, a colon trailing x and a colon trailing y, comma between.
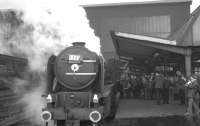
x: 144, y: 47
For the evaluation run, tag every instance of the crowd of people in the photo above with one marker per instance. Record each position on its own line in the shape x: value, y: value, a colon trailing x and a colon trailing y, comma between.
x: 156, y: 86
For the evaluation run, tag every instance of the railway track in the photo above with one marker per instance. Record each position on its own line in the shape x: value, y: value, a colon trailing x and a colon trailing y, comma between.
x: 10, y: 111
x: 12, y: 119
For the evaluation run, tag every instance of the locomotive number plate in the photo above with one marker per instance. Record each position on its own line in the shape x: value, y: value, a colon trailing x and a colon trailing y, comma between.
x: 74, y: 57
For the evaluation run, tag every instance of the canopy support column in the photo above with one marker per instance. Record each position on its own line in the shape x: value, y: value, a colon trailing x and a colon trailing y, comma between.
x: 188, y: 64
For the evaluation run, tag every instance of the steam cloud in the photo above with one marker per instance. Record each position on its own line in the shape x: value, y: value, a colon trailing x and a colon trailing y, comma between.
x: 45, y: 28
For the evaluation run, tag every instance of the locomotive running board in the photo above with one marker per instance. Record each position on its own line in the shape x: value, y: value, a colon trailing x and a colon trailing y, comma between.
x: 80, y: 73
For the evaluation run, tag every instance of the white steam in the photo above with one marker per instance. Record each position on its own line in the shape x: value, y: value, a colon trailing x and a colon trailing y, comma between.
x: 47, y: 27
x: 56, y: 24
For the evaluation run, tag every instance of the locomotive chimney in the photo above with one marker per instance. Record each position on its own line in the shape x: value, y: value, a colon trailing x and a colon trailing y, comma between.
x: 79, y: 44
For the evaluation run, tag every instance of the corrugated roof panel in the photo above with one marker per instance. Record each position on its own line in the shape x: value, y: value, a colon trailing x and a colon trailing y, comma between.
x: 122, y: 3
x: 196, y: 32
x: 146, y: 38
x: 181, y: 34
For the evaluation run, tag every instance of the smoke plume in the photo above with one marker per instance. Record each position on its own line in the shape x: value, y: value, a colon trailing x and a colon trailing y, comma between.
x: 44, y: 27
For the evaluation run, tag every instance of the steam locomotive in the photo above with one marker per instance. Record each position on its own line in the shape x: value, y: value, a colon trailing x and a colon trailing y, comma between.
x: 76, y: 88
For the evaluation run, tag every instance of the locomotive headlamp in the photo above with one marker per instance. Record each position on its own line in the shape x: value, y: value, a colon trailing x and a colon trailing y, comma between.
x: 49, y: 99
x: 95, y: 98
x: 95, y: 116
x: 46, y: 116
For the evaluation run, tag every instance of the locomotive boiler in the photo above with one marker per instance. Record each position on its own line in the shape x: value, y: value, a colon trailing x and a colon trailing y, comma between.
x: 76, y: 90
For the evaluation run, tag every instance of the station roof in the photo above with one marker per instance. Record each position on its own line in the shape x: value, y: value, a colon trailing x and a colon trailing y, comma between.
x: 143, y: 47
x: 129, y: 2
x: 181, y: 34
x: 129, y: 45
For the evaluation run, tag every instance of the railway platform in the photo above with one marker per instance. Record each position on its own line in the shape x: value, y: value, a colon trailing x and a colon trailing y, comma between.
x: 138, y: 112
x: 138, y: 108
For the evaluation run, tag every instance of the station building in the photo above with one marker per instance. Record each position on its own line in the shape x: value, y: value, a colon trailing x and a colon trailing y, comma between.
x: 160, y: 35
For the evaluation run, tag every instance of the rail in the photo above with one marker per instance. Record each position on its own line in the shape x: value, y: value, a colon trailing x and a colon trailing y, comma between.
x: 12, y: 119
x: 11, y: 111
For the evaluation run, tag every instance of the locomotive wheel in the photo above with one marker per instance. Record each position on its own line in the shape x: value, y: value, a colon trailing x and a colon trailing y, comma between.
x: 114, y: 106
x: 113, y: 111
